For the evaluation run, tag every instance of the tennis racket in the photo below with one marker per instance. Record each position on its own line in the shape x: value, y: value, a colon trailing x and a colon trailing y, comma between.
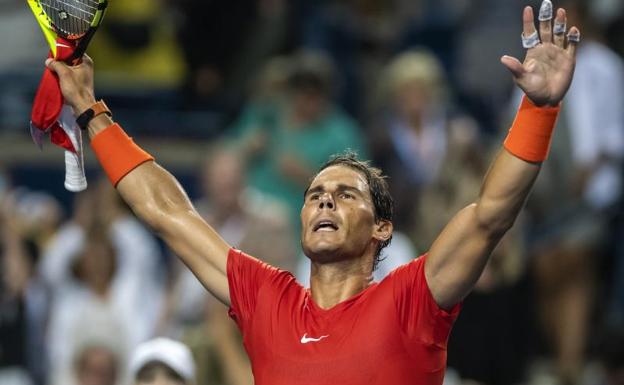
x: 75, y: 22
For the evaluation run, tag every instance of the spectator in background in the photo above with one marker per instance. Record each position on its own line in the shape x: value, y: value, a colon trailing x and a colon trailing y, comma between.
x: 410, y: 138
x: 211, y: 34
x: 234, y: 37
x: 479, y: 346
x: 611, y: 357
x: 244, y: 217
x: 481, y: 85
x: 25, y: 220
x: 357, y: 35
x: 98, y: 351
x: 596, y: 122
x: 162, y: 361
x: 459, y: 173
x: 89, y: 294
x: 492, y: 340
x: 96, y: 365
x: 248, y: 220
x: 39, y: 214
x: 103, y: 262
x: 573, y: 201
x: 22, y: 303
x: 268, y: 90
x: 137, y: 46
x: 288, y: 140
x: 5, y: 183
x: 615, y: 33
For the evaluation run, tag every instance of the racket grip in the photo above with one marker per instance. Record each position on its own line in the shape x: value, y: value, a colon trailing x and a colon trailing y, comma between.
x: 75, y: 179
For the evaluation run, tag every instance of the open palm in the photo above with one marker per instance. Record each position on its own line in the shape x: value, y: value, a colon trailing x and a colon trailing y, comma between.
x: 546, y: 73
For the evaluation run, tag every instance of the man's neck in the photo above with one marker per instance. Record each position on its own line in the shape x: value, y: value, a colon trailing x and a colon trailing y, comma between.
x: 332, y: 283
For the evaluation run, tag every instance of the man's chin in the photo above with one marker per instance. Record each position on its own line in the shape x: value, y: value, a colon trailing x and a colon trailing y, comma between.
x: 322, y: 252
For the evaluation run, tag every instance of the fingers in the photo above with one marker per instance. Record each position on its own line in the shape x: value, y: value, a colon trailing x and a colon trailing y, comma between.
x: 61, y: 68
x: 559, y: 28
x: 58, y: 67
x: 86, y: 59
x: 547, y: 32
x: 574, y: 37
x: 530, y: 38
x: 528, y: 24
x: 513, y: 65
x: 545, y: 21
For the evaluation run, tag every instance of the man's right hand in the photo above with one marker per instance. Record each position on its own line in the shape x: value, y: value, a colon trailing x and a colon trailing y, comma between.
x: 76, y: 83
x: 154, y: 195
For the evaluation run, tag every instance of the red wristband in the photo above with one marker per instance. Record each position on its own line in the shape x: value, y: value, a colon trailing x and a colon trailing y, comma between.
x: 530, y: 134
x: 117, y: 152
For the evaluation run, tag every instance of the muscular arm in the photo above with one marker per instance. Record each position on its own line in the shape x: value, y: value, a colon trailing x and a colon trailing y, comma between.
x: 459, y: 254
x: 155, y: 195
x: 157, y: 198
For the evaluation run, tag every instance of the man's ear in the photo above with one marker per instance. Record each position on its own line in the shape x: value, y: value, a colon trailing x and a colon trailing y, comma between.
x: 383, y: 230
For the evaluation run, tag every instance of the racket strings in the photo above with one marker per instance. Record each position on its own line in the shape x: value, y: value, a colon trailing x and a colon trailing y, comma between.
x: 72, y: 17
x: 74, y: 9
x: 81, y: 5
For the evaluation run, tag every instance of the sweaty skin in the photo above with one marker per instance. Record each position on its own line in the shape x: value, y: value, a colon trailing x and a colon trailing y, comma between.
x: 342, y: 259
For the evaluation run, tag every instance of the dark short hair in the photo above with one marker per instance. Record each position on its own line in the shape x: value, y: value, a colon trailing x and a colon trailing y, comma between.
x: 378, y: 187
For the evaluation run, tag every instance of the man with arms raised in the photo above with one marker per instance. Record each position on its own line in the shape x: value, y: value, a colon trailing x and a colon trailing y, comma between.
x: 345, y: 329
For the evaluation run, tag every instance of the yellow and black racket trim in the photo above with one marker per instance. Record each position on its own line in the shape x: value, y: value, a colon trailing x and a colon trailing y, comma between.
x: 81, y: 19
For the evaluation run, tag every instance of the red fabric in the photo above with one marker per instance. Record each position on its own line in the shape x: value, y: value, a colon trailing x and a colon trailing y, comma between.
x: 393, y: 332
x: 531, y: 132
x: 117, y: 152
x: 49, y: 100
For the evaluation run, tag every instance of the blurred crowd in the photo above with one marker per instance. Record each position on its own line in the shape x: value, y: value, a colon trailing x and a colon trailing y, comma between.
x: 414, y: 86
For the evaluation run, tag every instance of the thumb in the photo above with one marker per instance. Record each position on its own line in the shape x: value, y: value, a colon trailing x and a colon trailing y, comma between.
x: 513, y: 65
x: 56, y: 66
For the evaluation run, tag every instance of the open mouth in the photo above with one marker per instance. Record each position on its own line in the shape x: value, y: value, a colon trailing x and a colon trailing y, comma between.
x: 325, y: 225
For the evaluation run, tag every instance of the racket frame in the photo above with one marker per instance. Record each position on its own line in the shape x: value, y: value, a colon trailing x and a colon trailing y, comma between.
x: 75, y: 179
x: 51, y: 32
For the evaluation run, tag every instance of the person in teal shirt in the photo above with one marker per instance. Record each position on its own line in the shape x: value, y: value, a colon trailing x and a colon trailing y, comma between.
x: 288, y: 135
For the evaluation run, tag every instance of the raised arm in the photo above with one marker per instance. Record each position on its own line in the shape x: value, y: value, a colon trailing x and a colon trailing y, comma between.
x: 154, y: 194
x: 459, y: 254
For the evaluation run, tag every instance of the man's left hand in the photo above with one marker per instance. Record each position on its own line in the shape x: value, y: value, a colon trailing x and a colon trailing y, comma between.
x: 546, y: 73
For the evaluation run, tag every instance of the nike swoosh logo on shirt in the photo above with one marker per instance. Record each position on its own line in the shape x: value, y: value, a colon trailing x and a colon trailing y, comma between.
x: 305, y: 339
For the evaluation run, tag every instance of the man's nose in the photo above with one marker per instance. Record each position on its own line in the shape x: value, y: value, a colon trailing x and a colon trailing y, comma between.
x: 326, y: 202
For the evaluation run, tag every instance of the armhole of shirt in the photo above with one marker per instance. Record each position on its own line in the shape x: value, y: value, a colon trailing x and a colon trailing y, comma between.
x: 234, y: 308
x: 421, y: 311
x: 453, y: 312
x: 250, y: 290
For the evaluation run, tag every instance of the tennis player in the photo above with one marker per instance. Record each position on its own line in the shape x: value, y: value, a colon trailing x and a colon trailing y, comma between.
x: 346, y: 329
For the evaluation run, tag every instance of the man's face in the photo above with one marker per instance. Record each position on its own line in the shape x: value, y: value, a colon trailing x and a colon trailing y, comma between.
x: 161, y: 378
x: 97, y: 265
x: 223, y: 179
x: 338, y: 219
x: 412, y: 100
x: 97, y: 366
x: 308, y: 104
x: 158, y: 374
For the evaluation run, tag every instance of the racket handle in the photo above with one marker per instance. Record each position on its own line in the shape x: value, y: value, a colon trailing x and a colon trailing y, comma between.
x: 75, y: 179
